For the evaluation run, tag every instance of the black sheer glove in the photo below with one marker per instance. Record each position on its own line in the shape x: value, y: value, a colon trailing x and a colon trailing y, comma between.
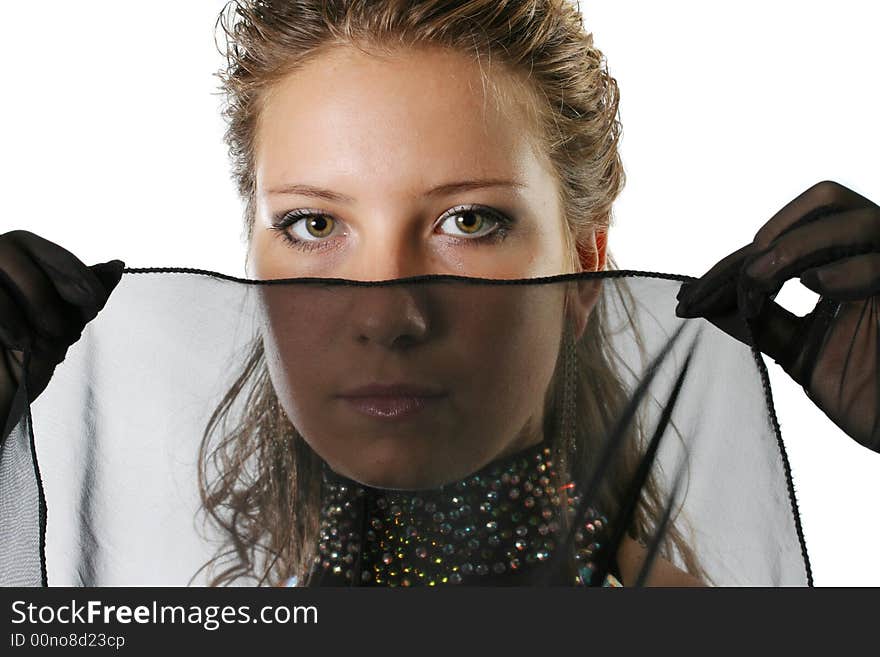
x: 829, y: 237
x: 47, y: 296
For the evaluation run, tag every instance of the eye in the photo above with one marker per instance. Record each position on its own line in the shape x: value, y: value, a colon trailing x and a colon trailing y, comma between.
x: 314, y: 226
x: 310, y: 228
x: 307, y: 230
x: 475, y: 223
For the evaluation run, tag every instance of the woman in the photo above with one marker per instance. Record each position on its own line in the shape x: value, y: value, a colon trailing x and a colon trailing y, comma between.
x: 370, y: 203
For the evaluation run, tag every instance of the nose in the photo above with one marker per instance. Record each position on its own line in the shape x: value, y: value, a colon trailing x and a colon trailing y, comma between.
x: 392, y: 316
x: 389, y: 250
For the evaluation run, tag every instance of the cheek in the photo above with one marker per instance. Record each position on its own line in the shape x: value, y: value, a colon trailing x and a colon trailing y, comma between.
x: 511, y: 353
x: 298, y: 329
x: 504, y: 390
x: 271, y: 257
x: 259, y: 254
x: 545, y: 251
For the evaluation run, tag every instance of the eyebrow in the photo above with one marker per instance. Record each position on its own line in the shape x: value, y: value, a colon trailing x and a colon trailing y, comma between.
x: 441, y: 190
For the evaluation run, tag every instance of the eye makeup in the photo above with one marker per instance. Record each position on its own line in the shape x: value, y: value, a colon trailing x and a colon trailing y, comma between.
x: 283, y: 221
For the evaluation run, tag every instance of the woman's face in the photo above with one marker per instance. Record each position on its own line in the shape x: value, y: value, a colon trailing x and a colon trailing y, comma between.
x: 382, y: 168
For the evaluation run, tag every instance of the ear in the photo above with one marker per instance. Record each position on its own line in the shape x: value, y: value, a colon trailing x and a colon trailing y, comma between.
x: 591, y: 252
x: 585, y: 292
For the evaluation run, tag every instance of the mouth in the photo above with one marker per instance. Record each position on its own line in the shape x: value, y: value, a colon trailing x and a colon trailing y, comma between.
x: 392, y: 401
x: 390, y: 407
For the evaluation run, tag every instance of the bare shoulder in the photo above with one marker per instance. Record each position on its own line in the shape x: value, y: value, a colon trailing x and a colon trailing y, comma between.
x: 630, y: 557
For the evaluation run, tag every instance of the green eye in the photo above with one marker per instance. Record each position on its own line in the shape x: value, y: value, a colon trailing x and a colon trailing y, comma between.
x: 469, y: 221
x: 474, y: 223
x: 319, y: 225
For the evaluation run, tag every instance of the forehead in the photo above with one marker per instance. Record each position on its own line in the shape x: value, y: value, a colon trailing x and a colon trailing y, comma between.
x: 418, y: 113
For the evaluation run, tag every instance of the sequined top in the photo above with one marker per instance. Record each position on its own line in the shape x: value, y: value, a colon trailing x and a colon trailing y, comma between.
x: 497, y: 527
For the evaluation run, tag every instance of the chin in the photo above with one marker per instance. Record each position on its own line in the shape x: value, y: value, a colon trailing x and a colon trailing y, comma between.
x: 401, y: 471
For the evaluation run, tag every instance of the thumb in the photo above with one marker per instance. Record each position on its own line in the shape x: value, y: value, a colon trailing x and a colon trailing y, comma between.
x: 774, y: 331
x: 109, y: 273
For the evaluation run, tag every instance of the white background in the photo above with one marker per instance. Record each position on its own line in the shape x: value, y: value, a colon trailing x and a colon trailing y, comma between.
x: 112, y: 148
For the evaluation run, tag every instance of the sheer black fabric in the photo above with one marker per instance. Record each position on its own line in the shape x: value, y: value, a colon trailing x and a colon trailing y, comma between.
x: 568, y: 431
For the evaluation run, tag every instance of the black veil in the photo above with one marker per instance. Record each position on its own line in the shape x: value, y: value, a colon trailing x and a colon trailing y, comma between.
x: 576, y: 432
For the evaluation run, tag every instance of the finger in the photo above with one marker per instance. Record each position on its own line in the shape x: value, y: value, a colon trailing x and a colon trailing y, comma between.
x: 719, y: 294
x: 716, y: 288
x: 850, y: 279
x: 63, y: 267
x: 13, y: 330
x: 109, y: 274
x: 37, y: 299
x: 824, y: 241
x: 715, y: 291
x: 772, y: 331
x: 819, y: 200
x: 725, y: 300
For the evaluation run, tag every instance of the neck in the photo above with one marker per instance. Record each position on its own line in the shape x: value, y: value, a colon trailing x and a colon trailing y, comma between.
x: 500, y: 525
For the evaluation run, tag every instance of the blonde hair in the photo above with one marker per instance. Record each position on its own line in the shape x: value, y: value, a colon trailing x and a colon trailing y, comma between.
x: 269, y: 512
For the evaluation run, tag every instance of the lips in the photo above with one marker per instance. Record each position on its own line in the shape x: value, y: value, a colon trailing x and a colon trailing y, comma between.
x: 392, y: 401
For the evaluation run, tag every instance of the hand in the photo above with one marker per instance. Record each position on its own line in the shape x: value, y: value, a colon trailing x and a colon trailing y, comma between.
x: 829, y: 237
x: 47, y: 296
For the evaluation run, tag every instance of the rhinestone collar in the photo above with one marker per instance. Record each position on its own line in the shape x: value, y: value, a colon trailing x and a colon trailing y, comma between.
x: 499, y: 525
